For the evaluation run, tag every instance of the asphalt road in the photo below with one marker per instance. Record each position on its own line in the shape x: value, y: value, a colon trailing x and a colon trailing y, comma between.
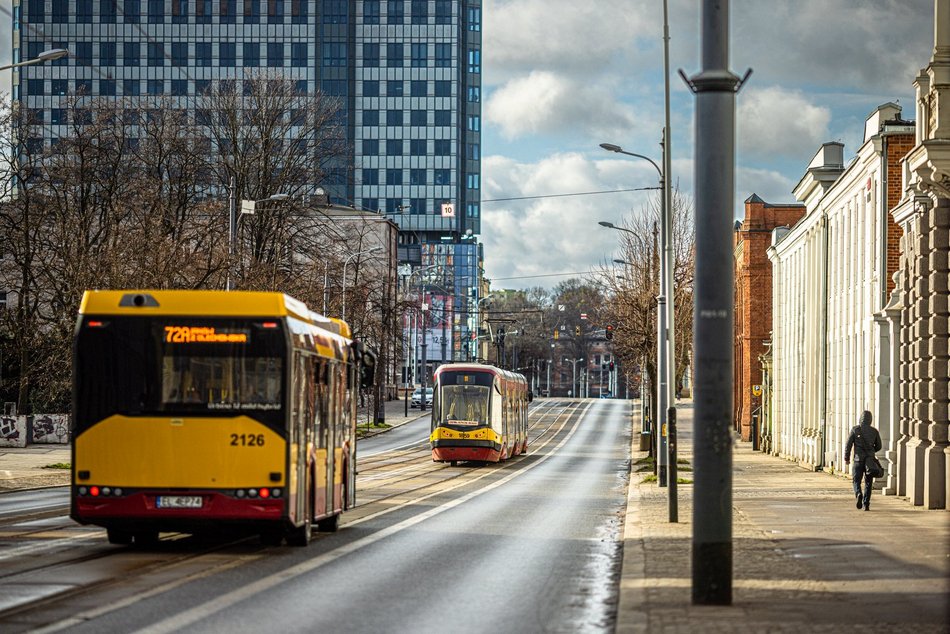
x: 531, y: 545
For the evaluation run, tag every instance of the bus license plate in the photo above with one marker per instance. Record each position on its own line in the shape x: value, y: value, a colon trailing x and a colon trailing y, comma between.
x: 178, y: 502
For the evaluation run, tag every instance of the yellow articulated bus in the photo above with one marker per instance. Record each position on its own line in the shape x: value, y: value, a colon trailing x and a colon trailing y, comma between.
x: 197, y: 410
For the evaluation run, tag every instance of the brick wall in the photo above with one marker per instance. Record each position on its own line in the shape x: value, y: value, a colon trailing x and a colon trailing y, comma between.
x: 753, y: 319
x: 897, y: 146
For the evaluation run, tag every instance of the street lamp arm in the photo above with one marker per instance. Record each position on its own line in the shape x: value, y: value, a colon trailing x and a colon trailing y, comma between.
x: 46, y: 56
x: 610, y: 147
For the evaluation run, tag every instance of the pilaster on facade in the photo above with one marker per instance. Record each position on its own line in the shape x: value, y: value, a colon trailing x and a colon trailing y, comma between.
x: 920, y: 301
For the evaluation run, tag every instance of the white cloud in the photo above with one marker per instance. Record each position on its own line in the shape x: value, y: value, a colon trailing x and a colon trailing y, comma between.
x: 776, y: 122
x: 771, y: 186
x: 546, y: 103
x: 554, y: 234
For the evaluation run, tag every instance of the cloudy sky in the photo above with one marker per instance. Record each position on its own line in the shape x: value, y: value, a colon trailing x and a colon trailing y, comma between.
x: 562, y: 76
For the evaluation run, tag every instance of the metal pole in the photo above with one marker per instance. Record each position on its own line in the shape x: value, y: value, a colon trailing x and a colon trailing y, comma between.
x: 662, y: 390
x: 422, y: 402
x: 326, y: 271
x: 715, y: 90
x: 671, y: 427
x: 670, y: 261
x: 232, y: 228
x: 405, y: 378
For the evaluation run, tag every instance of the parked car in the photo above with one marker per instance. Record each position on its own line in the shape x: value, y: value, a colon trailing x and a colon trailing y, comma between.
x: 417, y: 397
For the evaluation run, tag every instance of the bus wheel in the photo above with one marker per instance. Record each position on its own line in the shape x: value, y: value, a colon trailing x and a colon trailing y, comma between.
x: 454, y: 463
x: 117, y: 536
x: 329, y: 524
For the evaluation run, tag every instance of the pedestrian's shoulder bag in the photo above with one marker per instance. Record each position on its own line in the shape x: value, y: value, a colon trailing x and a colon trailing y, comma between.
x: 872, y: 465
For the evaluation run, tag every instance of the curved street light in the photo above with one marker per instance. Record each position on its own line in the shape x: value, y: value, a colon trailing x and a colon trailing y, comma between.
x: 46, y: 56
x: 345, y: 264
x: 232, y: 220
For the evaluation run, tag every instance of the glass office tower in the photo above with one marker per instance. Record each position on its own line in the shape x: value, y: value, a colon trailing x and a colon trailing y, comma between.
x: 408, y: 73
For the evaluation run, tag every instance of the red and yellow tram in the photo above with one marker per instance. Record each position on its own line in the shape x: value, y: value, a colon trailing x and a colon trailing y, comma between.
x: 479, y: 413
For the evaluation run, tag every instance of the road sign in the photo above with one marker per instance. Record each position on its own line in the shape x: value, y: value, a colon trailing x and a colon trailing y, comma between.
x: 756, y: 390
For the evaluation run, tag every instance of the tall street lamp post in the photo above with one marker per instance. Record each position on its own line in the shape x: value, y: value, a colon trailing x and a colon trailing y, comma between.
x: 345, y: 264
x: 232, y: 223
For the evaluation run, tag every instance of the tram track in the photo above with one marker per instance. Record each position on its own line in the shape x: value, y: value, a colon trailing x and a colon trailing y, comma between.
x: 29, y: 552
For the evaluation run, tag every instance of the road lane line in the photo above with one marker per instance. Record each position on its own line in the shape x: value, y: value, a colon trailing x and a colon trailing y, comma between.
x: 195, y: 614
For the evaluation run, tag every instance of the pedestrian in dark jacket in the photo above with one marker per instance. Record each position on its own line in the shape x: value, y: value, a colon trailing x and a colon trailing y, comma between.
x: 866, y: 442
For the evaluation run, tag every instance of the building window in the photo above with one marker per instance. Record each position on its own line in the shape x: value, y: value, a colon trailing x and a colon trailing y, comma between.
x: 130, y: 53
x: 442, y: 177
x: 417, y: 176
x: 370, y: 55
x: 227, y: 54
x: 370, y: 147
x: 83, y: 54
x: 156, y: 11
x: 474, y: 61
x: 179, y: 11
x: 417, y: 117
x: 228, y: 10
x: 474, y: 123
x: 394, y: 117
x: 203, y: 11
x: 252, y: 11
x: 443, y: 55
x: 443, y: 11
x: 179, y: 87
x: 394, y: 176
x: 275, y: 11
x: 156, y: 54
x: 395, y: 11
x: 420, y: 11
x: 130, y: 87
x: 107, y: 53
x: 474, y: 19
x: 107, y: 87
x: 132, y: 11
x: 371, y: 12
x: 394, y: 147
x: 371, y: 117
x: 298, y: 11
x: 419, y: 88
x: 179, y: 53
x: 334, y: 87
x: 370, y: 88
x: 155, y: 87
x: 394, y: 206
x: 60, y: 11
x: 443, y: 88
x: 83, y: 11
x: 417, y: 147
x: 394, y: 88
x: 84, y: 87
x: 443, y: 118
x: 472, y: 181
x: 203, y: 54
x: 472, y: 151
x: 371, y: 204
x: 298, y: 54
x: 57, y: 116
x: 202, y: 86
x: 442, y: 147
x: 252, y: 54
x: 334, y: 54
x: 419, y: 53
x: 418, y: 206
x: 394, y: 51
x: 474, y: 93
x: 334, y: 12
x: 36, y: 11
x: 472, y: 210
x: 275, y: 54
x: 370, y: 177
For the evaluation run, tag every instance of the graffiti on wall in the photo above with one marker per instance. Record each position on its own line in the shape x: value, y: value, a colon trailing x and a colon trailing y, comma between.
x: 51, y: 429
x: 13, y: 431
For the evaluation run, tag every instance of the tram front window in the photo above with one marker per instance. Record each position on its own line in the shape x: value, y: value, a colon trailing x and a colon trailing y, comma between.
x: 464, y: 404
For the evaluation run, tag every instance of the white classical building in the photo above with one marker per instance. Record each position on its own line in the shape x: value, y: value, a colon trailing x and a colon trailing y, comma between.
x: 919, y: 311
x: 831, y: 276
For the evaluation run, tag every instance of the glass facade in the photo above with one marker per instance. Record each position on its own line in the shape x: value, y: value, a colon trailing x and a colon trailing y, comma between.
x: 408, y: 74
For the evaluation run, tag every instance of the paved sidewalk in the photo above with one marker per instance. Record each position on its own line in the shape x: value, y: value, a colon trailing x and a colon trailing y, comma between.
x: 27, y: 467
x: 804, y: 558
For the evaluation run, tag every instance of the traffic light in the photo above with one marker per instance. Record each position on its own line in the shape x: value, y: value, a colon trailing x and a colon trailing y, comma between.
x: 556, y: 335
x: 577, y: 331
x: 609, y: 333
x: 611, y: 366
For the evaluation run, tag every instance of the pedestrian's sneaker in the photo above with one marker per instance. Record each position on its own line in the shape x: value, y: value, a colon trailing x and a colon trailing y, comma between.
x: 858, y: 503
x: 867, y: 507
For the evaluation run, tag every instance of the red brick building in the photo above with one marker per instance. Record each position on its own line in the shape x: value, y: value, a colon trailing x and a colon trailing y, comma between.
x: 753, y: 318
